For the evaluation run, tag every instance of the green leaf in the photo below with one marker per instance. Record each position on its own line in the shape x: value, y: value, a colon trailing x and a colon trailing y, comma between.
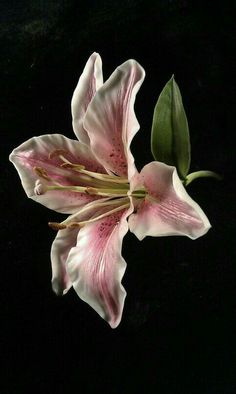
x: 201, y: 174
x: 170, y: 141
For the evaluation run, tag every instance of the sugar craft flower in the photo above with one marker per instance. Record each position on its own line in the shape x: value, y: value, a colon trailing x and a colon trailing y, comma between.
x: 95, y: 181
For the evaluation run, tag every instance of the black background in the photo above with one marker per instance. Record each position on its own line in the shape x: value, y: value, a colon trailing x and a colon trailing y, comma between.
x: 177, y: 333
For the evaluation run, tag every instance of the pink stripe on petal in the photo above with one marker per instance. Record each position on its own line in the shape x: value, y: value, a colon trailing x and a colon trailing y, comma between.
x: 110, y: 119
x: 96, y: 267
x: 35, y: 153
x: 64, y: 241
x: 169, y: 210
x: 90, y: 81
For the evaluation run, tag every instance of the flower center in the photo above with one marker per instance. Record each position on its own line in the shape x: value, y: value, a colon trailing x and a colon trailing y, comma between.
x: 115, y: 189
x: 82, y: 181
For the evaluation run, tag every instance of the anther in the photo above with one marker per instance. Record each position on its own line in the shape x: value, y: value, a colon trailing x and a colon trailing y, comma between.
x: 57, y: 226
x: 42, y: 173
x: 91, y: 190
x: 73, y: 225
x: 73, y: 166
x: 57, y: 152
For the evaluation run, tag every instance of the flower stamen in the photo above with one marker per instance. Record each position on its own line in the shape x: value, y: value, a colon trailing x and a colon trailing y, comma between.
x: 82, y: 170
x: 72, y: 224
x: 77, y: 167
x: 57, y: 152
x: 104, y: 177
x: 119, y: 208
x: 57, y: 226
x: 42, y: 173
x: 96, y: 205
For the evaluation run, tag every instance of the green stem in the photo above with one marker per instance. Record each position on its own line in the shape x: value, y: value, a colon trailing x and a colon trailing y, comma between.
x: 200, y: 174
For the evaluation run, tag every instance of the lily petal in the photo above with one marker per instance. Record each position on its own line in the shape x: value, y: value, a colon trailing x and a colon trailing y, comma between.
x: 64, y: 241
x: 35, y: 153
x: 90, y: 81
x: 61, y: 247
x: 110, y: 119
x: 168, y: 210
x: 96, y: 266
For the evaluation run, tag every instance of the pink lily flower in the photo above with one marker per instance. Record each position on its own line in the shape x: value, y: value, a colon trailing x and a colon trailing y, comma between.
x: 96, y: 182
